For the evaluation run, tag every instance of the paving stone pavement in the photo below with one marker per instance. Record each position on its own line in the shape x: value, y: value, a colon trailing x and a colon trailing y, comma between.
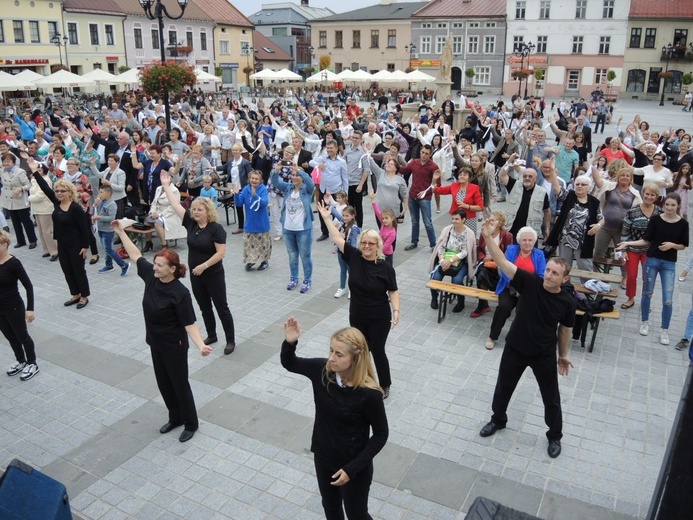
x: 90, y: 418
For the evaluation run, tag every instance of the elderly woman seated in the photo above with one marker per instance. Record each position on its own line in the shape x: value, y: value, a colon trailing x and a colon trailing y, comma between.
x: 525, y: 256
x: 453, y: 255
x: 164, y: 219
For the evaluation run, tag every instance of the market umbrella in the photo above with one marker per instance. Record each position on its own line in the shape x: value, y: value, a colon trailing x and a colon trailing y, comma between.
x: 400, y: 75
x: 102, y: 76
x: 28, y: 75
x: 417, y: 76
x: 8, y: 82
x: 323, y: 75
x: 383, y: 76
x: 287, y: 75
x: 63, y: 78
x: 264, y: 74
x: 355, y: 75
x: 129, y: 77
x: 206, y: 76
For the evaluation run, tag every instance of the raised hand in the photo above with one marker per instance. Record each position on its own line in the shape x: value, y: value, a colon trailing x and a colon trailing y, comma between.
x: 292, y: 330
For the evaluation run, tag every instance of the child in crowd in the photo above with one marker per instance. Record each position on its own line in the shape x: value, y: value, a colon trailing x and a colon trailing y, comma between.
x: 388, y: 229
x: 683, y: 182
x: 336, y: 205
x: 207, y: 189
x: 104, y: 213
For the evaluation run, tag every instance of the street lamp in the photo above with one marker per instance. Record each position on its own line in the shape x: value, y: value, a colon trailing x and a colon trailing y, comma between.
x: 522, y: 51
x: 156, y: 9
x: 247, y: 50
x: 411, y: 49
x: 60, y: 42
x: 667, y: 52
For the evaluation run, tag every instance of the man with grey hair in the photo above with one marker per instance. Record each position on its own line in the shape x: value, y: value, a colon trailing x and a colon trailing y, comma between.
x: 334, y: 177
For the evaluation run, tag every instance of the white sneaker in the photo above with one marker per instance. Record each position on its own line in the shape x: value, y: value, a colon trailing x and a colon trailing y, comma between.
x: 349, y: 297
x: 15, y: 368
x: 664, y: 337
x: 277, y: 238
x: 644, y: 328
x: 29, y: 371
x: 340, y: 292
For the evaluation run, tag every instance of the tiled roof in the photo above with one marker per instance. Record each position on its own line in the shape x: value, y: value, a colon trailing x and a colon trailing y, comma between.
x: 678, y: 9
x: 223, y: 12
x: 260, y: 42
x: 394, y: 11
x: 89, y: 6
x: 294, y: 11
x: 462, y: 9
x: 282, y: 16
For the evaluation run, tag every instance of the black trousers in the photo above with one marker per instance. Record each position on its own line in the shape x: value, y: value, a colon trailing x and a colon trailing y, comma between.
x: 506, y: 304
x: 323, y: 226
x: 376, y: 329
x: 241, y: 216
x: 72, y: 264
x: 355, y: 199
x: 171, y: 372
x: 208, y: 289
x: 22, y: 218
x: 353, y: 494
x: 601, y: 119
x: 92, y: 238
x: 545, y: 368
x: 120, y: 211
x: 13, y: 327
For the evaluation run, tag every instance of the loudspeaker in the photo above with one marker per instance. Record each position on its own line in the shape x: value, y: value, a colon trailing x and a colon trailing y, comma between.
x: 28, y: 494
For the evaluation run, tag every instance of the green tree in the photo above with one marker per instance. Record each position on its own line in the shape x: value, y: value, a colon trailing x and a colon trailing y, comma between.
x: 123, y: 68
x: 470, y: 75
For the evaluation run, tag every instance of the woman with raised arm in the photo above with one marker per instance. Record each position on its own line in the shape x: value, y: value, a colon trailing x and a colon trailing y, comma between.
x: 371, y: 281
x: 206, y: 250
x: 348, y: 404
x: 169, y: 319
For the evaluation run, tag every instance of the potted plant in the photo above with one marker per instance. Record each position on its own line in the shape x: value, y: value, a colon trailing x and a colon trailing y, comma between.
x: 665, y: 74
x: 520, y: 74
x: 470, y: 75
x: 172, y: 76
x: 610, y: 76
x: 184, y: 49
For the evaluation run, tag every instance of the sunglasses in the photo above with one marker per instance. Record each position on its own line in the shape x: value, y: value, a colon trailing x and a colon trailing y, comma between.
x: 60, y: 191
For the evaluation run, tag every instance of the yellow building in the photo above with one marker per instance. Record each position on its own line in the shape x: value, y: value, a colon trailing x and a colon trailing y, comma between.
x: 26, y: 30
x: 95, y: 35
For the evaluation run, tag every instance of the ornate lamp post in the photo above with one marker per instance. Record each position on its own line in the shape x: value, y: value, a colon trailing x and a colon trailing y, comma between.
x: 667, y: 52
x: 522, y: 51
x: 411, y: 50
x: 60, y: 42
x: 155, y: 9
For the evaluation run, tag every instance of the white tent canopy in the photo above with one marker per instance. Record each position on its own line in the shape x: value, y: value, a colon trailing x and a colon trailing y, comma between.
x: 355, y: 75
x: 264, y: 74
x: 63, y: 78
x: 400, y: 75
x: 418, y: 76
x: 102, y: 76
x: 323, y: 75
x: 9, y: 82
x: 383, y: 76
x: 28, y: 75
x: 206, y: 76
x: 287, y: 75
x: 129, y: 77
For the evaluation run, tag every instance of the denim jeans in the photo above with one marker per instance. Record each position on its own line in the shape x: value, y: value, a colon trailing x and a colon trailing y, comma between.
x: 343, y: 270
x: 667, y: 273
x: 299, y: 243
x: 107, y: 244
x: 689, y: 324
x: 458, y: 279
x: 422, y: 206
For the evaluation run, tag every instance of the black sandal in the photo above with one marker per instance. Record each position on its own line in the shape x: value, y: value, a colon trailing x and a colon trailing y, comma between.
x: 94, y: 259
x: 626, y: 306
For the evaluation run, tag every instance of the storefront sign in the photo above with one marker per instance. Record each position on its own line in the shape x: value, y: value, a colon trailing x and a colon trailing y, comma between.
x: 229, y: 65
x: 112, y: 58
x: 40, y: 61
x: 425, y: 63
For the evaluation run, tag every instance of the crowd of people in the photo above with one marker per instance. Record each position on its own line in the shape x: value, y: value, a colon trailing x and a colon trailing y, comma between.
x: 69, y: 176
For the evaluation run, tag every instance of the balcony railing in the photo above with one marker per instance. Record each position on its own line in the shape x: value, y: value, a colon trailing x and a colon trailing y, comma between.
x: 179, y: 51
x: 678, y: 54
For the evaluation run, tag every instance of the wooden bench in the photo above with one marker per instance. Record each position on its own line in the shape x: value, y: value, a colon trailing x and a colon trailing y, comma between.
x: 447, y: 289
x: 604, y: 265
x: 596, y: 275
x: 140, y: 237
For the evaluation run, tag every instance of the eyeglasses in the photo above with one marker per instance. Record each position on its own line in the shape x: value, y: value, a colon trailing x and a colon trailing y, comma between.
x: 60, y: 191
x: 369, y: 244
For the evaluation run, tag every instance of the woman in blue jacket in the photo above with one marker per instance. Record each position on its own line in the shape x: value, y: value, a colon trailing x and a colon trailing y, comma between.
x: 257, y: 246
x: 297, y: 223
x: 525, y: 256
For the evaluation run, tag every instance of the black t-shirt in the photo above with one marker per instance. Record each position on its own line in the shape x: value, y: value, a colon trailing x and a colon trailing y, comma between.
x: 523, y: 211
x: 168, y: 309
x: 201, y: 242
x: 659, y: 231
x: 539, y: 312
x: 11, y: 272
x: 369, y: 283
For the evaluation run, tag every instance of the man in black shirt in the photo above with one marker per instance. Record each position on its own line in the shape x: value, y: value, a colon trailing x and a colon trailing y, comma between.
x: 531, y: 342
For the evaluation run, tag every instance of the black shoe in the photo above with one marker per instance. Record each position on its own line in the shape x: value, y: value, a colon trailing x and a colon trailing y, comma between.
x: 249, y: 267
x: 148, y: 247
x: 229, y: 348
x: 71, y: 302
x: 53, y: 258
x: 554, y: 449
x: 16, y: 246
x: 45, y: 255
x: 490, y: 428
x: 94, y: 259
x: 169, y: 426
x: 434, y: 302
x: 210, y: 340
x: 411, y: 247
x: 459, y: 306
x: 82, y: 305
x: 264, y: 265
x: 186, y: 435
x: 386, y: 392
x: 322, y: 237
x: 32, y: 245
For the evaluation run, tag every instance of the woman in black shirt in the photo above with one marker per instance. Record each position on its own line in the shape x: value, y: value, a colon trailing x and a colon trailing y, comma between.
x: 71, y: 231
x: 206, y: 250
x: 666, y: 234
x: 169, y: 319
x: 348, y: 403
x: 13, y: 315
x: 371, y: 281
